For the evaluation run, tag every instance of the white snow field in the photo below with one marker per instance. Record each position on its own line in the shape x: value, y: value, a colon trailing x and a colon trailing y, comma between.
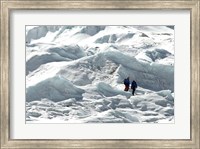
x: 74, y: 74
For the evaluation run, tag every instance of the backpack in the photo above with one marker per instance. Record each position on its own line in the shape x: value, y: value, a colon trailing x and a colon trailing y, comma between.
x: 134, y: 84
x: 126, y: 82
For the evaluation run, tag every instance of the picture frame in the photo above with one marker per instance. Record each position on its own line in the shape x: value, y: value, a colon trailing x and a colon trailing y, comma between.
x: 8, y: 6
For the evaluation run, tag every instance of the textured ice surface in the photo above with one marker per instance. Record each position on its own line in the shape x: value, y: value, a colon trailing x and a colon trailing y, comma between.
x: 74, y: 74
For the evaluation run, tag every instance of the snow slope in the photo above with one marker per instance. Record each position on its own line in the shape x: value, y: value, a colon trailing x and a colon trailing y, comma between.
x: 74, y: 74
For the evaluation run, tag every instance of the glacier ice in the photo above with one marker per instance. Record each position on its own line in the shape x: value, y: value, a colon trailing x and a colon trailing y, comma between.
x: 74, y: 74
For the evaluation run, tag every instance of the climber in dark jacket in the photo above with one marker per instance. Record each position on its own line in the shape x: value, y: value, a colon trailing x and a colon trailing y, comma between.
x: 126, y: 83
x: 133, y: 86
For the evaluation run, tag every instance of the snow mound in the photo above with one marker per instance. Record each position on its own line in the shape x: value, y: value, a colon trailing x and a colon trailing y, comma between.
x: 107, y: 39
x: 55, y: 89
x: 39, y: 31
x: 37, y: 60
x: 125, y: 37
x: 52, y: 54
x: 92, y: 30
x: 72, y: 52
x: 118, y: 101
x: 153, y: 55
x: 108, y: 91
x: 112, y: 116
x: 151, y: 102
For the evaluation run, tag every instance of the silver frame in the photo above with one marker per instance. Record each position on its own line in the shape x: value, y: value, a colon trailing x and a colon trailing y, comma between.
x: 6, y: 7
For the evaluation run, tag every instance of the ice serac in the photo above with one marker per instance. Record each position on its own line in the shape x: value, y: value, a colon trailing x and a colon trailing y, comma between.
x: 153, y: 55
x: 37, y: 60
x: 72, y: 52
x: 52, y: 54
x: 55, y: 89
x: 92, y: 30
x: 152, y: 76
x: 39, y: 31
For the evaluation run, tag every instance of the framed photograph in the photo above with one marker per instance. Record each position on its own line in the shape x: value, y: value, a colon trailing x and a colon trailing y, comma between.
x: 100, y: 74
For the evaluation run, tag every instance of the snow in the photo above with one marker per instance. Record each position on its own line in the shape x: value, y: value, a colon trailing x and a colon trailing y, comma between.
x: 39, y: 32
x: 55, y: 89
x: 74, y: 74
x: 108, y: 91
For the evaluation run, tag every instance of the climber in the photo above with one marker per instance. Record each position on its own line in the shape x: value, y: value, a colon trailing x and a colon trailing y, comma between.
x: 126, y: 83
x: 133, y: 86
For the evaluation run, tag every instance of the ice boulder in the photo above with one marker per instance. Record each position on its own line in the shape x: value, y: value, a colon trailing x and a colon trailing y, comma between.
x: 55, y: 89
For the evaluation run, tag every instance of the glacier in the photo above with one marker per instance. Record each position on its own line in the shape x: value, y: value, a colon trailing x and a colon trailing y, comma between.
x: 74, y: 74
